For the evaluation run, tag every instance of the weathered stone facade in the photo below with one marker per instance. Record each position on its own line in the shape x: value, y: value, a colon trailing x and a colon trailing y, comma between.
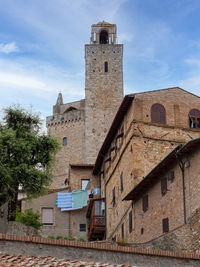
x: 85, y: 123
x: 137, y: 146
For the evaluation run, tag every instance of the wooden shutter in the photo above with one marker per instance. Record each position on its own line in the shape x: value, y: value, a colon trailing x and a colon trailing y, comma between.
x: 113, y: 200
x: 145, y: 203
x: 47, y: 216
x: 130, y: 222
x: 164, y: 186
x: 121, y: 180
x: 158, y: 114
x: 165, y: 223
x: 122, y: 231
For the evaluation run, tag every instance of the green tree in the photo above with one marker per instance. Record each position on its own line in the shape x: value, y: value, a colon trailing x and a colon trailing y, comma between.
x: 25, y: 157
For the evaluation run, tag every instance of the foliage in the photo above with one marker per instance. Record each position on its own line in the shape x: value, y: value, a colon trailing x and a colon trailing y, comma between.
x: 81, y: 239
x: 29, y: 218
x: 25, y: 157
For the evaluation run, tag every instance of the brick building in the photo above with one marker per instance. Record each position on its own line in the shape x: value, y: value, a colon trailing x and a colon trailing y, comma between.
x: 169, y: 198
x: 82, y: 126
x: 145, y: 129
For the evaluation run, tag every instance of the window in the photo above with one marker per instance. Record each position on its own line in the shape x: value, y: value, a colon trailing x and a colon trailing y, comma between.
x: 103, y: 37
x: 122, y: 228
x: 113, y: 196
x: 47, y: 216
x: 194, y: 118
x: 82, y: 227
x: 145, y: 203
x: 105, y: 66
x: 171, y: 176
x: 142, y: 231
x: 130, y: 222
x: 164, y: 186
x: 165, y: 224
x: 64, y: 141
x: 121, y: 181
x: 114, y: 239
x: 85, y: 184
x: 158, y: 114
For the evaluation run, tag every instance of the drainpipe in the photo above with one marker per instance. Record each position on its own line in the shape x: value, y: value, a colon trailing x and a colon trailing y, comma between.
x: 69, y: 232
x: 181, y: 165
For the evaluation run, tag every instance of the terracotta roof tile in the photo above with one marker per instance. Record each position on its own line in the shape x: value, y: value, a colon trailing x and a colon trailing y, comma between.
x: 20, y: 260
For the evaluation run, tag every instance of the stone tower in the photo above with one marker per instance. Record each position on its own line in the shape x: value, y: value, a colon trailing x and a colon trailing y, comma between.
x: 103, y: 85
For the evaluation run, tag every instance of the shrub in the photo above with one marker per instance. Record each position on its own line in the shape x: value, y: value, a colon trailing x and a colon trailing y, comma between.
x: 29, y: 218
x: 81, y: 239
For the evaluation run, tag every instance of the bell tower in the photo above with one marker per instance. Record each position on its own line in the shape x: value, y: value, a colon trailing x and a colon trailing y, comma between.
x: 103, y: 85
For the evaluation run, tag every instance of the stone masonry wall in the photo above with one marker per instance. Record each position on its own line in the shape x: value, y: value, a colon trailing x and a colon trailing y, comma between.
x: 71, y: 153
x: 93, y: 252
x: 104, y: 92
x: 182, y: 239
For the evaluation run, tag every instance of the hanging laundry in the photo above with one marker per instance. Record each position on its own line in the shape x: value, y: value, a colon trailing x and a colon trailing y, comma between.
x: 64, y: 200
x: 72, y: 201
x: 80, y: 198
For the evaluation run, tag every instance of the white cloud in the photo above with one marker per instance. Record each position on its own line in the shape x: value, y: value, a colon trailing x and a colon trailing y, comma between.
x: 192, y: 81
x: 124, y: 37
x: 8, y: 48
x: 33, y: 78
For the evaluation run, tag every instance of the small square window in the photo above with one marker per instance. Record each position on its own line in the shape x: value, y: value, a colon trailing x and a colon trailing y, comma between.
x: 82, y: 227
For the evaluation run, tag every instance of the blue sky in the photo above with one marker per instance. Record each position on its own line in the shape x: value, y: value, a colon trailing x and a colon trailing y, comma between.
x: 42, y: 47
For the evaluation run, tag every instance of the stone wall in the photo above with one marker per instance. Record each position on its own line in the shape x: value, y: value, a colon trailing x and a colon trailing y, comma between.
x: 185, y: 238
x: 104, y: 93
x: 17, y: 228
x: 72, y: 152
x: 94, y: 252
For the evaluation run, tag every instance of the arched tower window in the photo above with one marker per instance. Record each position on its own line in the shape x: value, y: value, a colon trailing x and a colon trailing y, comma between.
x: 64, y: 141
x: 105, y: 66
x: 158, y: 113
x: 103, y: 37
x: 194, y: 118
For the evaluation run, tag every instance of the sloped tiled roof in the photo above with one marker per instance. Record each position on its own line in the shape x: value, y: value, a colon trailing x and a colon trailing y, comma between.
x: 19, y: 260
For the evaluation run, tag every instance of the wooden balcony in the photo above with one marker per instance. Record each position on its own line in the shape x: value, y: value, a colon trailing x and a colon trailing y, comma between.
x: 96, y: 217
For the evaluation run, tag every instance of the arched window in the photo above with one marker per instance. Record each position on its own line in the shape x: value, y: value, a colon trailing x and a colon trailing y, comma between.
x: 106, y: 66
x: 158, y: 114
x: 194, y: 118
x: 103, y: 37
x: 64, y: 141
